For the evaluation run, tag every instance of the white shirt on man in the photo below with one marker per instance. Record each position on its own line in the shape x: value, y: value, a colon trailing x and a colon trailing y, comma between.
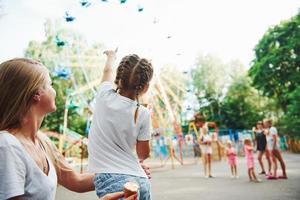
x: 20, y: 175
x: 113, y: 134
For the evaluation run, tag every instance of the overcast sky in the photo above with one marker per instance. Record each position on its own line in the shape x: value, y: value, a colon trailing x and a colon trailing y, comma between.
x: 166, y: 31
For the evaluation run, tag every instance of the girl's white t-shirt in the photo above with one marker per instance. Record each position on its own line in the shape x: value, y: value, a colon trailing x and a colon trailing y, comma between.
x: 20, y: 175
x: 113, y: 133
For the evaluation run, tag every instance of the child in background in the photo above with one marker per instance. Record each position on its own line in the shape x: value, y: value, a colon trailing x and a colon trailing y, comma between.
x: 232, y: 159
x: 206, y: 139
x: 120, y: 125
x: 248, y: 149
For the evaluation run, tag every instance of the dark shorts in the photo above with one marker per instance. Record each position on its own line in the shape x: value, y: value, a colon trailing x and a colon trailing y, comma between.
x: 197, y: 151
x: 261, y: 148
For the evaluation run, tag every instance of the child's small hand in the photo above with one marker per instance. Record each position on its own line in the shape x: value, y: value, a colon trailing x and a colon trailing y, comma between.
x: 146, y: 169
x: 111, y: 53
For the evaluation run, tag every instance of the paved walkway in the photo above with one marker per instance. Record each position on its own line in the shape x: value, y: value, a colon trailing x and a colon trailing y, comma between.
x: 188, y: 183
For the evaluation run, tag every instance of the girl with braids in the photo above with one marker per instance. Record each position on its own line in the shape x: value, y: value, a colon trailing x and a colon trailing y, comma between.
x: 119, y: 125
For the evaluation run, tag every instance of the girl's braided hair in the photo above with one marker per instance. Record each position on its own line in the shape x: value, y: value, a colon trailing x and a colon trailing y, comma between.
x: 133, y: 74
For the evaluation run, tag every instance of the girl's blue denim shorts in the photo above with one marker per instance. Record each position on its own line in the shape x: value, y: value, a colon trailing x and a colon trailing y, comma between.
x: 108, y: 183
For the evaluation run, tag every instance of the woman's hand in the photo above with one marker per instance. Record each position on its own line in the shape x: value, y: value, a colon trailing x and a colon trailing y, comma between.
x: 118, y: 195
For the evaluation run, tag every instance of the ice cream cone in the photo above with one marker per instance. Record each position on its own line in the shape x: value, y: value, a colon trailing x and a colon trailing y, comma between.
x: 130, y: 188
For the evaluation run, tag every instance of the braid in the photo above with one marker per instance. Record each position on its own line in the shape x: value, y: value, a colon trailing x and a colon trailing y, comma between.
x: 124, y: 71
x: 141, y: 76
x: 137, y: 109
x: 134, y: 73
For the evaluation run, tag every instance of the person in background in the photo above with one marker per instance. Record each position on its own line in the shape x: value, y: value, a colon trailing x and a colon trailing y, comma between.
x: 206, y: 140
x: 232, y: 159
x: 273, y: 147
x: 248, y: 149
x: 261, y: 144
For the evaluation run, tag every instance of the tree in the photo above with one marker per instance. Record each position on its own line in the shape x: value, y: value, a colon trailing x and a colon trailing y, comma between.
x: 211, y: 78
x: 67, y: 50
x: 290, y: 123
x: 243, y: 106
x: 276, y: 67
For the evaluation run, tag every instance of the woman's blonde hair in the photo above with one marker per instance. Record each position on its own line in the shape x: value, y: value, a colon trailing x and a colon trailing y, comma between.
x: 56, y: 157
x: 20, y: 80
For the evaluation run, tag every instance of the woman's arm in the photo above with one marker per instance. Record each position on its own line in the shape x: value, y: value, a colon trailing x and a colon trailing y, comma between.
x: 108, y: 68
x: 75, y: 181
x: 274, y: 141
x: 66, y: 176
x: 254, y: 134
x: 118, y: 195
x: 16, y: 198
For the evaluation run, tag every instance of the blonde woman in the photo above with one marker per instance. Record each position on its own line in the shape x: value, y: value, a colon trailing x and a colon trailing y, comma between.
x: 273, y: 147
x: 31, y: 166
x: 205, y: 140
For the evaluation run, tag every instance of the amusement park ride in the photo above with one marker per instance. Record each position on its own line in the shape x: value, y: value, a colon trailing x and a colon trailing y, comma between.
x: 165, y: 98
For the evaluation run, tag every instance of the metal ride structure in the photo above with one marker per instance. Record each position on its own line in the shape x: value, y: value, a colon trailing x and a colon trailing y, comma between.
x: 76, y: 66
x: 166, y: 94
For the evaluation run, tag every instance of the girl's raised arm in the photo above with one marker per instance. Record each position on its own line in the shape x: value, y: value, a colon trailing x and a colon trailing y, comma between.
x: 108, y: 68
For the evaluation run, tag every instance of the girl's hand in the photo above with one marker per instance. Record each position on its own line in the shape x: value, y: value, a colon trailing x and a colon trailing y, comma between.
x: 118, y: 195
x: 108, y: 68
x: 146, y: 169
x: 111, y: 54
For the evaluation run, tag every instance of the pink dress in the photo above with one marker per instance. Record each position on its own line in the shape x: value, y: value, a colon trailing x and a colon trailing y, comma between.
x: 232, y: 158
x: 249, y: 156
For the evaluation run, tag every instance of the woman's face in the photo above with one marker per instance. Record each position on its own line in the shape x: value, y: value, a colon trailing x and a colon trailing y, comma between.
x: 259, y: 126
x: 47, y: 96
x: 266, y: 125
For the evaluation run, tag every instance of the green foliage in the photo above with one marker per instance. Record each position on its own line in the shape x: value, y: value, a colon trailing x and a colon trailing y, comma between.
x: 211, y: 78
x: 209, y: 82
x: 276, y: 67
x: 76, y: 53
x: 290, y: 123
x: 242, y: 106
x: 276, y: 71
